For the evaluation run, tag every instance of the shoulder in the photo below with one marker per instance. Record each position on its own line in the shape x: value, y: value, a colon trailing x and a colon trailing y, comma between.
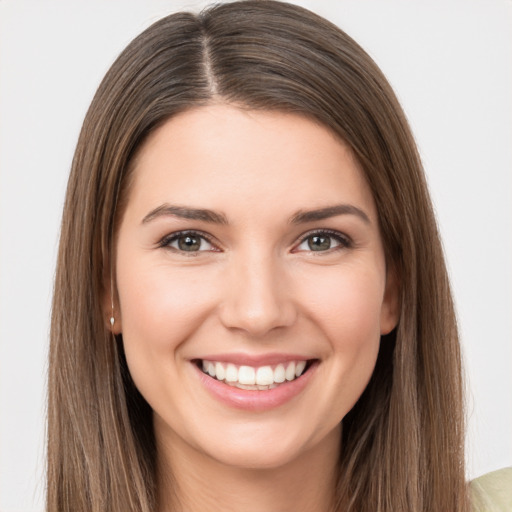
x: 492, y: 492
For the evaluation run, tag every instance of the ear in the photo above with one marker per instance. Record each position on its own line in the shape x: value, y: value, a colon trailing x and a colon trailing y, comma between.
x: 390, y: 310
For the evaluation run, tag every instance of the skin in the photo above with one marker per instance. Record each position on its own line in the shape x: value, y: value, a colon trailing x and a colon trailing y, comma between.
x: 257, y: 288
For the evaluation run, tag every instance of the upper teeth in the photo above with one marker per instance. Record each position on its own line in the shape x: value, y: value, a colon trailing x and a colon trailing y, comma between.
x: 251, y: 376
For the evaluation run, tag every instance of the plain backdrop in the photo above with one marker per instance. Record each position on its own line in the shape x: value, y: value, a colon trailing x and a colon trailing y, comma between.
x: 451, y: 65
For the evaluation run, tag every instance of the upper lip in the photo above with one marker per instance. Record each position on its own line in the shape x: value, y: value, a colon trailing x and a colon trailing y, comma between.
x: 254, y: 360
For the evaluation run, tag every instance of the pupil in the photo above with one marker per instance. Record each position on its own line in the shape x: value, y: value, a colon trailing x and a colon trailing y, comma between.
x: 189, y: 243
x: 319, y: 243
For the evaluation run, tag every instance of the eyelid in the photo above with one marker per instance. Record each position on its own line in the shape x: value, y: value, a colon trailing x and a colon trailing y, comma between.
x: 165, y: 241
x: 344, y: 240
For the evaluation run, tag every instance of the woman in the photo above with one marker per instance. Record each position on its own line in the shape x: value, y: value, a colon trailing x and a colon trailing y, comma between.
x: 251, y: 305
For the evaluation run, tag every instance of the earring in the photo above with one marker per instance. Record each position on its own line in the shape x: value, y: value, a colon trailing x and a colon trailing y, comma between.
x: 112, y: 319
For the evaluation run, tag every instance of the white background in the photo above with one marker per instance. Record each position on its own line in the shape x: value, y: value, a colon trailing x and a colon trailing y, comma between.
x: 451, y: 65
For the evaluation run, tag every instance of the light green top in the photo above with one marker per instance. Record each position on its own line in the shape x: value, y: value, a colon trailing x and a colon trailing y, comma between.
x: 493, y: 492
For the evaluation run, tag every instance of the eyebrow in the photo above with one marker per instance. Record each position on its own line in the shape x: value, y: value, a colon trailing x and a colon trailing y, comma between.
x: 205, y: 215
x: 327, y: 212
x: 185, y: 212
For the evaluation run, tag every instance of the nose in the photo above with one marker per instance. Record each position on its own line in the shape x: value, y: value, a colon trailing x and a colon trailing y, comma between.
x: 257, y: 297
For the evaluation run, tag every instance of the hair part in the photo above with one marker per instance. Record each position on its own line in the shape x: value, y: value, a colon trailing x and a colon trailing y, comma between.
x: 402, y: 443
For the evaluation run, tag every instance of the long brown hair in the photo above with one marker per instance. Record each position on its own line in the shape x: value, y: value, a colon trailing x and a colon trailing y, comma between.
x: 402, y: 446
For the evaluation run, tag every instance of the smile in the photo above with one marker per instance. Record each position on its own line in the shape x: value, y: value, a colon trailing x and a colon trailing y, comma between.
x: 255, y: 383
x: 260, y: 378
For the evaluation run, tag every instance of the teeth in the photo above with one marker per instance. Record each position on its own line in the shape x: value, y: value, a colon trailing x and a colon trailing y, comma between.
x: 279, y: 374
x: 264, y: 376
x: 299, y: 368
x: 220, y: 372
x: 231, y: 373
x: 289, y: 372
x: 247, y: 377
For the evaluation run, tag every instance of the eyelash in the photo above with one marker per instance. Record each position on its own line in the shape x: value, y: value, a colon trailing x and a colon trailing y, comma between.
x: 344, y: 241
x: 165, y: 243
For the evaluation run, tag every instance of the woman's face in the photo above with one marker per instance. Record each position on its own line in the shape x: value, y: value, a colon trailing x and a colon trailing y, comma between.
x: 250, y: 248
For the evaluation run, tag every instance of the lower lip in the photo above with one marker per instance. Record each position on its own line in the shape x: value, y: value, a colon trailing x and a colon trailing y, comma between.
x: 253, y: 400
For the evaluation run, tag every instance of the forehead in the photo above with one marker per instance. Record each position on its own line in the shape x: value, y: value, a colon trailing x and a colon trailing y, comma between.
x: 222, y: 157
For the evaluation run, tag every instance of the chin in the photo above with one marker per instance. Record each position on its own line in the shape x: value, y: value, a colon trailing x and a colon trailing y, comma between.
x: 255, y: 457
x: 257, y: 450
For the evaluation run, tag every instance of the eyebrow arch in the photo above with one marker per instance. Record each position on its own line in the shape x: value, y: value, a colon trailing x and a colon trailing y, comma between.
x: 185, y: 212
x: 327, y: 212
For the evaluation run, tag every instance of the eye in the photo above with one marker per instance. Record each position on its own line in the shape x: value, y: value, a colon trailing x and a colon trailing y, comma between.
x: 323, y: 241
x: 188, y: 241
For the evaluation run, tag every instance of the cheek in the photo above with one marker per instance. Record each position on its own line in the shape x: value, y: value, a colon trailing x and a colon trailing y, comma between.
x: 353, y: 329
x: 343, y: 307
x: 347, y: 303
x: 160, y: 309
x: 346, y: 307
x: 160, y: 312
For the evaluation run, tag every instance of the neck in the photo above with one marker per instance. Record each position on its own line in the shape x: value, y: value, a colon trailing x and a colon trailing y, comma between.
x: 198, y: 482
